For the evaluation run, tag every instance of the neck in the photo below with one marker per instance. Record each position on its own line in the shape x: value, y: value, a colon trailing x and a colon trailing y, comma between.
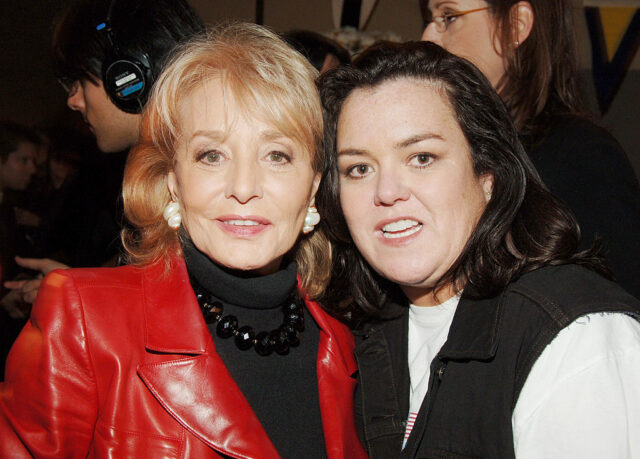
x: 421, y: 296
x: 241, y: 288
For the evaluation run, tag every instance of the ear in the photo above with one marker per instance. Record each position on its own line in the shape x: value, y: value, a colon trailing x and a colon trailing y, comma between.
x: 172, y: 184
x: 314, y: 189
x: 486, y: 181
x: 522, y: 18
x: 330, y: 62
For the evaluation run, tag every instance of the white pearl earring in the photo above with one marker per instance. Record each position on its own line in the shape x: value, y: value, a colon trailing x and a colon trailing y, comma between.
x: 311, y: 219
x: 172, y: 215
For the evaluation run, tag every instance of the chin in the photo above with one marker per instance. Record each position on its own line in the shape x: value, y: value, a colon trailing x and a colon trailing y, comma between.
x: 252, y: 265
x: 409, y: 278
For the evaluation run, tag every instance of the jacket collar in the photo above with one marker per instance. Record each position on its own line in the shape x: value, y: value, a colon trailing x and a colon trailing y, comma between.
x: 171, y: 311
x: 474, y: 331
x: 335, y: 365
x: 473, y: 334
x: 198, y: 391
x: 194, y: 386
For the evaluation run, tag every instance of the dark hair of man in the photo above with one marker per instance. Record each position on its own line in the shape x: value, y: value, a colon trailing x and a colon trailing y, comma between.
x: 541, y: 76
x: 523, y: 227
x: 12, y: 134
x: 151, y: 27
x: 315, y: 47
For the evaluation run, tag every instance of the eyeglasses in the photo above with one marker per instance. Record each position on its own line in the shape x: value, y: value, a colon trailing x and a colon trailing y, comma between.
x: 70, y: 85
x: 443, y: 21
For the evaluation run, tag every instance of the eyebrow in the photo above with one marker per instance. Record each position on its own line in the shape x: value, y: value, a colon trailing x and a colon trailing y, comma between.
x: 352, y: 152
x: 439, y: 4
x: 398, y: 146
x: 273, y: 135
x: 221, y: 135
x: 212, y: 134
x: 416, y: 139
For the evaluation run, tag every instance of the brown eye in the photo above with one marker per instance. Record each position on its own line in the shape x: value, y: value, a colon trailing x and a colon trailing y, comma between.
x: 421, y: 160
x: 448, y: 18
x: 357, y: 171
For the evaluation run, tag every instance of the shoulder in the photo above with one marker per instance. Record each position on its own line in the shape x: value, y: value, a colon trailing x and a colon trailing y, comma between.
x: 99, y: 277
x: 575, y: 142
x: 569, y: 291
x: 587, y: 342
x: 85, y: 282
x: 85, y: 292
x: 573, y: 131
x: 584, y: 387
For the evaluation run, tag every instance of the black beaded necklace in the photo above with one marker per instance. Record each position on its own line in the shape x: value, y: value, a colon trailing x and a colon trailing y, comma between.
x: 279, y: 340
x: 216, y: 287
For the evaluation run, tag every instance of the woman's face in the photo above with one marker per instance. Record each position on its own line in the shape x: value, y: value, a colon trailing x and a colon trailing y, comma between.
x: 243, y: 186
x: 472, y: 36
x: 407, y: 186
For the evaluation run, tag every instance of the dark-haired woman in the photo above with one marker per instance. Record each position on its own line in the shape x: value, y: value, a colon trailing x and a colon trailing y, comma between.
x: 487, y: 332
x: 527, y: 51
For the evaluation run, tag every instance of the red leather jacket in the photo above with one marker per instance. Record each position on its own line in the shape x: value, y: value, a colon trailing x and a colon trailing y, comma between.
x: 120, y: 363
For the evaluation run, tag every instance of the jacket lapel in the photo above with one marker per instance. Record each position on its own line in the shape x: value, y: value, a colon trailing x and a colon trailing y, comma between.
x: 335, y: 367
x: 194, y: 386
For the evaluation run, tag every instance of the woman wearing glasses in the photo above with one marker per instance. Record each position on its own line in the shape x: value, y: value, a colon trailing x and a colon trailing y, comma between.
x: 527, y: 51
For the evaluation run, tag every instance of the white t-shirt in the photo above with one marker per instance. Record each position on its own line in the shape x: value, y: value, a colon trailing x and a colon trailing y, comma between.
x: 581, y: 398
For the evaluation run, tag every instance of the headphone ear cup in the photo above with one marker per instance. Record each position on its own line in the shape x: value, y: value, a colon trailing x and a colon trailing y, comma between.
x: 127, y: 82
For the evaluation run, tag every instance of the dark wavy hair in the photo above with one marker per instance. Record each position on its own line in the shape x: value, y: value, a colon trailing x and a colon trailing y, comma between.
x: 523, y: 226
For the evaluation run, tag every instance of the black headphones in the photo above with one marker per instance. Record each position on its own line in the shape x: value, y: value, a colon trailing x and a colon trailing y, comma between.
x: 127, y: 79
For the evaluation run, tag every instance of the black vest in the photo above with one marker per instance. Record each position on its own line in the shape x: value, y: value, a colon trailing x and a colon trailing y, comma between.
x: 477, y: 376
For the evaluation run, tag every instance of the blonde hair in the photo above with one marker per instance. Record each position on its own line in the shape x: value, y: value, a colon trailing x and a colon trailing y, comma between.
x: 267, y: 77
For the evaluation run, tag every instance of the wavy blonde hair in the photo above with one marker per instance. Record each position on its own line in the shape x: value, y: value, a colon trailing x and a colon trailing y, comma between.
x: 266, y: 76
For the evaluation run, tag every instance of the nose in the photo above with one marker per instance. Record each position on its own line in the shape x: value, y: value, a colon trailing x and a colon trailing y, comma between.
x: 431, y: 34
x: 244, y: 181
x: 390, y: 188
x: 75, y: 99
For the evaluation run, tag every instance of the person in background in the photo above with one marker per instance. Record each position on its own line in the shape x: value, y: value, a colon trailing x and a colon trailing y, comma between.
x: 18, y: 147
x: 49, y: 195
x: 208, y: 344
x: 527, y: 50
x: 107, y: 55
x: 323, y: 52
x: 487, y: 331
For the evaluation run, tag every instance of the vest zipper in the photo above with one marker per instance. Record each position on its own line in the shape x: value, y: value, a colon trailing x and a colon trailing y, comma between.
x: 438, y: 368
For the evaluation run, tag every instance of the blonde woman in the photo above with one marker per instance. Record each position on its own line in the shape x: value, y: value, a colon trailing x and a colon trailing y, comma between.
x: 208, y: 344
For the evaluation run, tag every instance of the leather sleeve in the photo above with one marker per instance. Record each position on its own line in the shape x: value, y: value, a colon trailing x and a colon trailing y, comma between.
x: 48, y: 401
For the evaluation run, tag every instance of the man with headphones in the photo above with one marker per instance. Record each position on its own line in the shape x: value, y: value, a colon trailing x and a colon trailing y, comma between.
x: 107, y: 55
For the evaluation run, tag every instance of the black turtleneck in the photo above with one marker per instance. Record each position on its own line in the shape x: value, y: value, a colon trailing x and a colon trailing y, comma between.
x: 282, y: 390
